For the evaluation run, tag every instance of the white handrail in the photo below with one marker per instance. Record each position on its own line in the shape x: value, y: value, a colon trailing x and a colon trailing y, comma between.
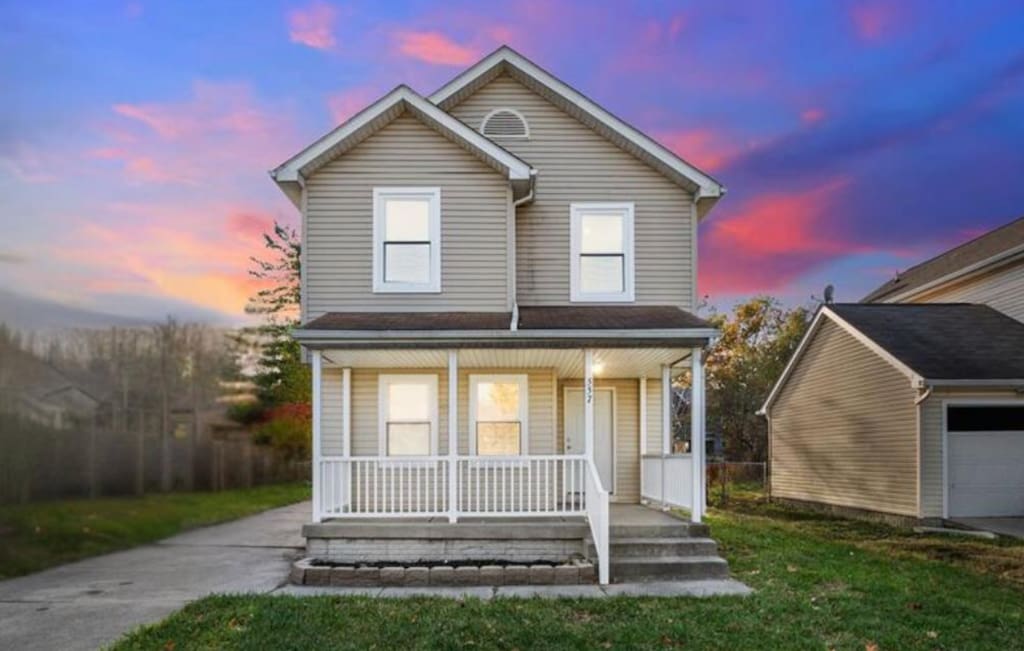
x: 597, y: 517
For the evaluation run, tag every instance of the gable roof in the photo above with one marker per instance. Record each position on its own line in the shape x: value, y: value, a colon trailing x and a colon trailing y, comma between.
x: 930, y: 343
x: 376, y: 116
x: 982, y: 251
x: 575, y: 103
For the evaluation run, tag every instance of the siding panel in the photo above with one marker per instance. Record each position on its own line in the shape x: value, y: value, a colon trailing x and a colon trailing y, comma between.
x: 339, y: 223
x: 576, y: 164
x: 844, y: 429
x: 1002, y: 289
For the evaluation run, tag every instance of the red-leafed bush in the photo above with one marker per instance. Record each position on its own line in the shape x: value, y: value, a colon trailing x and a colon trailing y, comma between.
x: 287, y: 427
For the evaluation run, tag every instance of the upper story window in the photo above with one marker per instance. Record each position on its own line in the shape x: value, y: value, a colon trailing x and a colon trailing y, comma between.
x: 601, y: 252
x: 407, y: 239
x: 407, y: 415
x: 505, y: 123
x: 497, y: 415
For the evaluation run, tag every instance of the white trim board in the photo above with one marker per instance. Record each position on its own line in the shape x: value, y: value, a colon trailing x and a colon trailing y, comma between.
x: 398, y: 99
x: 707, y: 187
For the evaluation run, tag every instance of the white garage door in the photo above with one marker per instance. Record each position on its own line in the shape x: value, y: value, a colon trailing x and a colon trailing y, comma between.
x: 986, y: 460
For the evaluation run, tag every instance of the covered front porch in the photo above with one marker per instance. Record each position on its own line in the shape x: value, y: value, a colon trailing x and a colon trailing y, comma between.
x: 468, y: 435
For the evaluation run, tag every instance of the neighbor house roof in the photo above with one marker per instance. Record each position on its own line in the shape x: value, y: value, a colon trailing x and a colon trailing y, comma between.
x: 506, y: 60
x: 572, y: 324
x: 990, y: 248
x: 931, y: 343
x: 375, y: 117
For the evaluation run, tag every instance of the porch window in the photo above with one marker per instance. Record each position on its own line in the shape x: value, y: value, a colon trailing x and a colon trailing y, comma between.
x: 602, y: 252
x: 407, y: 415
x: 406, y: 239
x: 497, y: 415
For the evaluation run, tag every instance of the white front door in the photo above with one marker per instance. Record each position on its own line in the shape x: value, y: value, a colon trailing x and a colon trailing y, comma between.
x: 604, y: 431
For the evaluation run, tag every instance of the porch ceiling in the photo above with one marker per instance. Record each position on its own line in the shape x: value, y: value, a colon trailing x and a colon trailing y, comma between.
x: 566, y: 362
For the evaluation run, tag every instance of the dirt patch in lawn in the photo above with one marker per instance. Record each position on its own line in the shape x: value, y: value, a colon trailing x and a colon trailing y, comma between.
x: 1005, y: 561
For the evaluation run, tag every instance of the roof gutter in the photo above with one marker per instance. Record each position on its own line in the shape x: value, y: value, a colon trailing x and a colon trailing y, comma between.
x: 311, y: 336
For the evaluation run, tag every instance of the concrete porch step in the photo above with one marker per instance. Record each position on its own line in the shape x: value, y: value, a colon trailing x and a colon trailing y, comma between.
x: 678, y: 529
x: 657, y: 547
x: 668, y: 568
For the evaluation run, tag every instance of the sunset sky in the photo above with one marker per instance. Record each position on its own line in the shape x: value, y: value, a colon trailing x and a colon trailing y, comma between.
x: 855, y: 138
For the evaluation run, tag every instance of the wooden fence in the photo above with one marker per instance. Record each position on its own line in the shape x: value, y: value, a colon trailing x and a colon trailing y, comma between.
x: 40, y: 463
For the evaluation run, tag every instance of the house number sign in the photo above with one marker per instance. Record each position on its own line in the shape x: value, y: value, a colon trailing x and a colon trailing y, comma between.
x: 589, y: 390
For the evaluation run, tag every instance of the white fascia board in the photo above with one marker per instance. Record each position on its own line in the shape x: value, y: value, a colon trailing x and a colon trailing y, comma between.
x: 959, y: 275
x: 291, y: 169
x: 708, y: 187
x: 915, y: 379
x: 526, y: 335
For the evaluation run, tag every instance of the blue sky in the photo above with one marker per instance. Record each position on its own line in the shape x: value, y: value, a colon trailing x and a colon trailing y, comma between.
x: 855, y: 137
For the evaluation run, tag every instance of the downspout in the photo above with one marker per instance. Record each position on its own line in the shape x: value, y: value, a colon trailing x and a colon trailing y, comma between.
x: 513, y: 227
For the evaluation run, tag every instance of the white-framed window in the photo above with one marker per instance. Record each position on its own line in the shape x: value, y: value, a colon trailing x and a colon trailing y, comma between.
x: 407, y: 239
x: 601, y: 263
x: 407, y: 415
x: 498, y: 415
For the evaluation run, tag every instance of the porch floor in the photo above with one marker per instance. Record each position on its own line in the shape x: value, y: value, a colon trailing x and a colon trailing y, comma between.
x: 619, y: 514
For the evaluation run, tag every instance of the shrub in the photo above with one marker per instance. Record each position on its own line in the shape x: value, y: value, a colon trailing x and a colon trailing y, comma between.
x: 249, y: 412
x: 288, y: 428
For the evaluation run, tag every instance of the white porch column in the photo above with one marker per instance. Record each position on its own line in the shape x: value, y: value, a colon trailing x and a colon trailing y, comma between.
x: 346, y: 437
x: 666, y: 429
x: 643, y: 429
x: 697, y: 433
x: 346, y: 412
x: 453, y: 433
x: 588, y: 402
x: 317, y: 448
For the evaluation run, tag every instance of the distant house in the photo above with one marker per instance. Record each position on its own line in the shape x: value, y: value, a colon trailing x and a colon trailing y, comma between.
x: 910, y: 403
x: 35, y: 389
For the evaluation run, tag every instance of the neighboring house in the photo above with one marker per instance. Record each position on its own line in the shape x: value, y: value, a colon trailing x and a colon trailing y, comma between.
x: 507, y: 265
x: 34, y: 389
x: 912, y: 402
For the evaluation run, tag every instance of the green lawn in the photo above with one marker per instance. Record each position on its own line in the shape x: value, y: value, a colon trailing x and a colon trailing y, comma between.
x: 821, y: 583
x: 40, y: 535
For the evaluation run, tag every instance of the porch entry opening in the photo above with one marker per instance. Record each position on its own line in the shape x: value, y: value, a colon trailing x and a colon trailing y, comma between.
x: 604, y: 430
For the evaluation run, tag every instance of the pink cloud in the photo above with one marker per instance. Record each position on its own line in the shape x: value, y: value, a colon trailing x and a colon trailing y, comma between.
x: 173, y: 252
x: 220, y: 131
x: 773, y: 239
x: 313, y: 26
x: 812, y: 115
x: 708, y: 149
x: 436, y: 48
x: 873, y: 20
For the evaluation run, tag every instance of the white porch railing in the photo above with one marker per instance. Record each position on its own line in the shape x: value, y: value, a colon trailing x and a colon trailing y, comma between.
x: 667, y: 479
x: 535, y: 485
x: 597, y: 517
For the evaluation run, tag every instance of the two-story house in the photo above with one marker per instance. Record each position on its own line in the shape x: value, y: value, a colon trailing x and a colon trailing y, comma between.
x: 910, y: 402
x: 498, y: 287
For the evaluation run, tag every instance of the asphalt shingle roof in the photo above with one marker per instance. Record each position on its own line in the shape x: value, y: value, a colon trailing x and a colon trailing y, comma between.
x: 943, y: 341
x: 981, y: 248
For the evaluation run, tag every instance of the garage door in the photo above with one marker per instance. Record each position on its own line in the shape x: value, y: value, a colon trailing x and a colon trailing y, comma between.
x: 986, y: 460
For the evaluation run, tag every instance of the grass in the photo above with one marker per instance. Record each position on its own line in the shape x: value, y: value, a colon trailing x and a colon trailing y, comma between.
x: 40, y: 535
x: 821, y: 582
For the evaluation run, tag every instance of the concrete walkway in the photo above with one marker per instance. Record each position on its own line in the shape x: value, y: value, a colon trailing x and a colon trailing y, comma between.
x: 91, y: 603
x: 1013, y: 527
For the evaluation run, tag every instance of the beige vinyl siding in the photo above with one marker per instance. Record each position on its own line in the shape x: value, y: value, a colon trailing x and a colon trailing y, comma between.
x: 339, y: 224
x: 654, y: 433
x: 627, y: 433
x: 1002, y: 289
x: 932, y: 440
x: 844, y: 429
x: 575, y: 164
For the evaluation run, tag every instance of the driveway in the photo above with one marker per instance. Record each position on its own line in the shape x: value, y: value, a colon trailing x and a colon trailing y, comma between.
x: 91, y: 603
x: 1004, y: 526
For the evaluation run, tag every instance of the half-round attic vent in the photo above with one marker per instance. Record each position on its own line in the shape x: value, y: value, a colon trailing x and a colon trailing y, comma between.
x: 505, y: 123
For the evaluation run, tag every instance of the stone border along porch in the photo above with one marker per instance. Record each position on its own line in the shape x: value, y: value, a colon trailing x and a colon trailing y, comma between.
x: 309, y: 573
